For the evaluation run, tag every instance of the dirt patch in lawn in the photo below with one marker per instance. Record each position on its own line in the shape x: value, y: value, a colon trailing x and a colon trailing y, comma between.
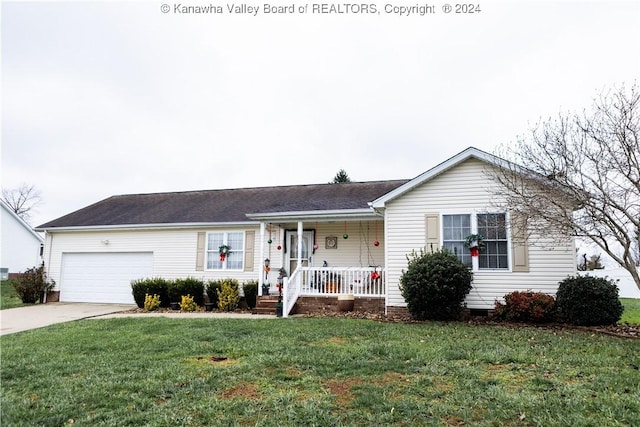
x: 342, y: 389
x: 243, y: 390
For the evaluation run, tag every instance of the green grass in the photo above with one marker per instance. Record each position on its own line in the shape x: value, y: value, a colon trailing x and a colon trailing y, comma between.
x: 8, y: 296
x: 631, y: 312
x: 323, y: 372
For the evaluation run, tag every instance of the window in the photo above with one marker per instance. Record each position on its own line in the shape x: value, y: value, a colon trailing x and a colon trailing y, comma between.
x: 454, y: 229
x: 494, y: 229
x: 493, y: 226
x: 234, y: 259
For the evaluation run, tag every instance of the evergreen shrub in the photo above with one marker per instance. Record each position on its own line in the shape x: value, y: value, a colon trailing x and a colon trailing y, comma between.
x: 589, y: 301
x: 434, y: 285
x: 527, y: 306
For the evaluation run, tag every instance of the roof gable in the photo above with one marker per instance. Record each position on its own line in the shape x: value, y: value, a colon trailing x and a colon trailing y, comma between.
x: 469, y: 153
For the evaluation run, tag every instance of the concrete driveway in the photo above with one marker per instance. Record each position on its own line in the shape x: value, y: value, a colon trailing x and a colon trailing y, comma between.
x: 40, y: 315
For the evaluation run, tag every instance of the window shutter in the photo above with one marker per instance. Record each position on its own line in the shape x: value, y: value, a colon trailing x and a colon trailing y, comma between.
x: 200, y: 249
x: 432, y: 225
x: 519, y: 244
x: 249, y: 241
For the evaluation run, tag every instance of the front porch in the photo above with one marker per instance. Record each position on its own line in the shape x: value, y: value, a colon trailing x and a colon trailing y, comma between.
x: 329, y: 282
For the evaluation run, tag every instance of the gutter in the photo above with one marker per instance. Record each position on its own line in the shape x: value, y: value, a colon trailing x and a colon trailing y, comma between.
x: 193, y: 225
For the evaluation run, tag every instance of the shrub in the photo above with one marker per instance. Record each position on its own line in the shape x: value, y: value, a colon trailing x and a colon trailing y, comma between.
x: 526, y: 306
x: 213, y: 288
x: 250, y: 290
x: 229, y: 295
x: 588, y: 300
x: 188, y: 303
x: 153, y: 286
x: 151, y: 303
x: 435, y: 285
x: 33, y: 285
x: 189, y: 286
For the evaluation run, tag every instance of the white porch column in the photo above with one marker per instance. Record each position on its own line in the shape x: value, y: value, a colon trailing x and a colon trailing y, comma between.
x: 261, y: 267
x: 300, y: 232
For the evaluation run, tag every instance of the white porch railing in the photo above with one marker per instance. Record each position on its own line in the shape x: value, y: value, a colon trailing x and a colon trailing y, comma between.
x: 331, y: 281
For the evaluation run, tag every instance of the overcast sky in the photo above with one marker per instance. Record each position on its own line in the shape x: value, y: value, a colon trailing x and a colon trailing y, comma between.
x: 105, y: 98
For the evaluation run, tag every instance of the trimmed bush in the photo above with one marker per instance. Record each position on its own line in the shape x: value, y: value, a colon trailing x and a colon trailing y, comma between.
x: 435, y: 285
x: 588, y: 300
x: 213, y: 289
x: 153, y: 286
x: 33, y: 285
x: 189, y: 286
x: 229, y: 295
x: 250, y: 290
x: 526, y: 306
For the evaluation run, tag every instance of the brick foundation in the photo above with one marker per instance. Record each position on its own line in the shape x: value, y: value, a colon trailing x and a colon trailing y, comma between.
x: 306, y: 305
x: 53, y: 296
x: 397, y: 311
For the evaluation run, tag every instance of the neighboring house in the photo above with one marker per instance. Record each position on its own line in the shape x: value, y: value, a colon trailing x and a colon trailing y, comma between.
x: 21, y: 246
x: 330, y: 238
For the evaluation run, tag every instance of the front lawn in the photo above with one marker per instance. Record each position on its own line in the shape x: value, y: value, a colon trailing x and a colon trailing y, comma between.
x: 8, y: 296
x: 324, y: 372
x: 631, y: 312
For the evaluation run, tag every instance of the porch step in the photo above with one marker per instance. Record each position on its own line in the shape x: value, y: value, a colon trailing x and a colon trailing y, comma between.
x: 266, y: 305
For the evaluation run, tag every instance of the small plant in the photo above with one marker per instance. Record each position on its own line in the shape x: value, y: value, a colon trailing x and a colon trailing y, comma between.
x: 228, y: 295
x: 33, y: 285
x: 265, y: 288
x: 151, y: 302
x: 250, y: 290
x: 188, y: 304
x: 526, y: 306
x: 435, y: 285
x: 588, y: 300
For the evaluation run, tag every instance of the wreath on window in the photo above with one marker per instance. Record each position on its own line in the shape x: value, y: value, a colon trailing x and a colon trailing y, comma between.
x: 474, y: 242
x: 223, y: 251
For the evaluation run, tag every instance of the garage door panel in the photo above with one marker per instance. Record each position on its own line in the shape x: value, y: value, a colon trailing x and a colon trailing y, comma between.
x: 102, y: 277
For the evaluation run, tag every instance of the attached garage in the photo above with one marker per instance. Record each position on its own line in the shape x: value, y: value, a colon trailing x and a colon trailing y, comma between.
x: 102, y: 277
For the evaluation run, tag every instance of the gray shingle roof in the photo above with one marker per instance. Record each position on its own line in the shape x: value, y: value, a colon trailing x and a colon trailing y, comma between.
x: 219, y: 206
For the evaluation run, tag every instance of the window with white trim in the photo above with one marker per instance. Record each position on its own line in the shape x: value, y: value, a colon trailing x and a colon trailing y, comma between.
x: 495, y: 254
x: 234, y: 259
x: 454, y: 229
x: 492, y: 226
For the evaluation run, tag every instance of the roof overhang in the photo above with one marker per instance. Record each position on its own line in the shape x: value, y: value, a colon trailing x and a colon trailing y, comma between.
x: 327, y: 215
x: 125, y: 227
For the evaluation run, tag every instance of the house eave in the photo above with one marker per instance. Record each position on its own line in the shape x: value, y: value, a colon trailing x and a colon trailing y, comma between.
x: 164, y: 226
x: 326, y: 215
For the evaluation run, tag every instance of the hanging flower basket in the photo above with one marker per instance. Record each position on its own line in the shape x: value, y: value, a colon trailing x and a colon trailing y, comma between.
x: 475, y: 242
x: 223, y: 251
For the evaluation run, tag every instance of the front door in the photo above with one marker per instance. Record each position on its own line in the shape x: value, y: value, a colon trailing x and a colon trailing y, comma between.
x: 291, y: 259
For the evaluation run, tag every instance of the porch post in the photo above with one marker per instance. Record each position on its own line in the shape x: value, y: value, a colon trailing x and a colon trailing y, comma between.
x: 261, y: 264
x: 300, y: 232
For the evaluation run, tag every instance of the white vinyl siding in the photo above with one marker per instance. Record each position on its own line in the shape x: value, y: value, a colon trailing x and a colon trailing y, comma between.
x: 465, y: 189
x: 174, y: 251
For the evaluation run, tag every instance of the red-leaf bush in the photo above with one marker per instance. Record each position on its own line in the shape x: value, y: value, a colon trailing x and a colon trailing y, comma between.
x: 528, y: 306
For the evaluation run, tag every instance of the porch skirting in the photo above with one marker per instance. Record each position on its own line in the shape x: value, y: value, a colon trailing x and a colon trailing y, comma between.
x: 318, y: 304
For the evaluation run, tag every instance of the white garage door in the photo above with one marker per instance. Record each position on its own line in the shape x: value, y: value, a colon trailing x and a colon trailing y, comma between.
x: 102, y: 277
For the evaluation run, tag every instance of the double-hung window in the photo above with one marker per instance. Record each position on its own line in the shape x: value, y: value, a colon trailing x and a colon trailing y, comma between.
x: 454, y: 230
x: 492, y: 226
x: 234, y: 259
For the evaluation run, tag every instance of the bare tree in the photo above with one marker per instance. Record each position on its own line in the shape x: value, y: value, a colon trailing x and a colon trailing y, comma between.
x: 22, y: 200
x: 581, y: 175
